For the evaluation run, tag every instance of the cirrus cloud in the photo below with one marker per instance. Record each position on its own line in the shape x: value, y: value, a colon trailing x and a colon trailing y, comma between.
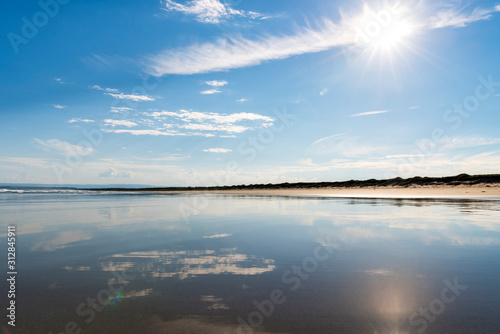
x: 209, y: 11
x: 217, y: 150
x: 63, y: 148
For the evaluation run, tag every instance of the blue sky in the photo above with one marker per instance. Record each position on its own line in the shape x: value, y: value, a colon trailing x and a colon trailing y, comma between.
x: 212, y: 92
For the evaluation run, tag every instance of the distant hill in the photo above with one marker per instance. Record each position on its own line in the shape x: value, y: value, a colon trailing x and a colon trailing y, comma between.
x: 461, y: 179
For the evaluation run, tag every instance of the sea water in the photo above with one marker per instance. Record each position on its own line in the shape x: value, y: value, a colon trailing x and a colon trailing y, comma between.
x: 103, y: 262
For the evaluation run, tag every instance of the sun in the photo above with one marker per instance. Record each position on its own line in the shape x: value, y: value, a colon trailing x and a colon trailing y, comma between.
x: 386, y: 29
x: 393, y: 36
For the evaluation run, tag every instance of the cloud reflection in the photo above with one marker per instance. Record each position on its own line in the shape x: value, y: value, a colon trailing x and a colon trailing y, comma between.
x: 185, y: 264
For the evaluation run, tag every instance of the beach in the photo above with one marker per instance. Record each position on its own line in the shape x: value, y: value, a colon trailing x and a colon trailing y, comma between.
x: 481, y: 191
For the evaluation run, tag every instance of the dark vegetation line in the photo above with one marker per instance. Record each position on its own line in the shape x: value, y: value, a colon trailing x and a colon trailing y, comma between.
x: 462, y: 179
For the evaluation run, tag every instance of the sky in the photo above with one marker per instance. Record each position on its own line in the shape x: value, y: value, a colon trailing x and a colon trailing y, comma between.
x: 223, y: 92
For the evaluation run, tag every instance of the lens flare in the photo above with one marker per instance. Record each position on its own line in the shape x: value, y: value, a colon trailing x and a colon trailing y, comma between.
x: 113, y: 302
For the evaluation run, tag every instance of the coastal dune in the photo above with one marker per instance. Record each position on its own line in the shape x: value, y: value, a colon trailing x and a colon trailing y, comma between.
x: 463, y: 191
x: 459, y: 186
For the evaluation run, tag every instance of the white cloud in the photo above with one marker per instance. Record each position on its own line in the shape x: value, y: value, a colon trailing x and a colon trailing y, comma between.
x: 217, y: 150
x: 342, y: 145
x: 188, y: 116
x: 34, y: 162
x: 120, y: 109
x: 172, y: 157
x: 96, y: 87
x: 402, y: 156
x: 230, y: 128
x: 151, y: 132
x: 111, y: 172
x: 452, y: 16
x: 209, y: 11
x: 122, y: 96
x: 236, y: 52
x: 242, y: 100
x: 76, y: 120
x: 210, y: 92
x: 376, y: 112
x: 58, y: 106
x: 108, y: 90
x: 217, y: 236
x: 115, y: 122
x: 469, y: 141
x: 60, y: 81
x: 142, y: 132
x: 216, y: 83
x: 63, y: 148
x: 136, y: 97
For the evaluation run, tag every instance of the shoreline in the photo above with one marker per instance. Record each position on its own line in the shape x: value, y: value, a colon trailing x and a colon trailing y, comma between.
x: 413, y: 192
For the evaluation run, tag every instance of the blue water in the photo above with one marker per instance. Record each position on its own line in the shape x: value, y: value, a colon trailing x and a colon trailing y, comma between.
x: 147, y: 263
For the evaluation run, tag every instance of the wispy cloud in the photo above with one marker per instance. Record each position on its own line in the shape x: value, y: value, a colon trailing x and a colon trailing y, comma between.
x: 342, y: 145
x: 58, y: 106
x: 236, y: 52
x: 34, y: 162
x: 216, y: 83
x: 229, y: 128
x: 469, y: 141
x: 120, y: 109
x: 172, y: 157
x: 111, y: 172
x: 243, y: 100
x: 115, y: 122
x: 63, y: 148
x: 459, y: 17
x: 151, y: 132
x: 402, y: 156
x: 78, y: 120
x: 209, y: 11
x: 434, y: 164
x: 368, y: 113
x: 233, y: 52
x: 136, y: 97
x: 217, y: 150
x: 122, y: 96
x: 60, y: 81
x: 217, y: 236
x: 107, y: 90
x: 210, y: 92
x: 188, y: 116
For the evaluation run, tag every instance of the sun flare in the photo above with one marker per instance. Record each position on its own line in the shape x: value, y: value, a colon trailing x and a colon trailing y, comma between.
x: 386, y: 29
x: 393, y: 36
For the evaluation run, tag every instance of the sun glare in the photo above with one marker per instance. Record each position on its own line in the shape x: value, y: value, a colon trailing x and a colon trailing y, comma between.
x: 386, y: 29
x: 393, y: 35
x: 384, y: 35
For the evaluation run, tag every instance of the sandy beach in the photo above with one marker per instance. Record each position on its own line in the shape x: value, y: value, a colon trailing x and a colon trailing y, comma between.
x: 480, y: 191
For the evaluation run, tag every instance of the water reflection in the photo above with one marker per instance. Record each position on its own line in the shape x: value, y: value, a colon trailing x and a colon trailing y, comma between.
x: 188, y: 264
x: 390, y: 258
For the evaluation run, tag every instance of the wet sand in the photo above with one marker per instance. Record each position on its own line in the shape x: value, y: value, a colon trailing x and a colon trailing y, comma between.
x: 461, y: 191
